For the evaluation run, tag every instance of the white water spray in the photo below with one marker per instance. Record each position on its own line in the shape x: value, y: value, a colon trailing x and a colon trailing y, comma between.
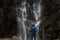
x: 37, y: 13
x: 37, y: 10
x: 22, y: 19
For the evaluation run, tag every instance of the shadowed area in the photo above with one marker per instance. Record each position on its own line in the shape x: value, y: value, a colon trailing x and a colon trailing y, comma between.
x: 51, y: 19
x: 8, y: 21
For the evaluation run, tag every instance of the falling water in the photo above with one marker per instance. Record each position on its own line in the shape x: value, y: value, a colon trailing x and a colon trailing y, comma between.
x: 36, y: 10
x: 37, y: 13
x: 23, y: 9
x: 21, y: 19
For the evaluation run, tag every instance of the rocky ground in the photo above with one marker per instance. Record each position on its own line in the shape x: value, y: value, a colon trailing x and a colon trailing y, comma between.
x: 13, y: 38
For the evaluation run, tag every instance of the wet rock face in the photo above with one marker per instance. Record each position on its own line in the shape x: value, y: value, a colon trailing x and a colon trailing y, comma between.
x: 8, y: 21
x: 51, y: 19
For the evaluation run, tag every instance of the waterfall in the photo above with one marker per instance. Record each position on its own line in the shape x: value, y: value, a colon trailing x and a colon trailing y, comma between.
x: 37, y: 10
x: 22, y: 17
x: 37, y: 13
x: 23, y: 9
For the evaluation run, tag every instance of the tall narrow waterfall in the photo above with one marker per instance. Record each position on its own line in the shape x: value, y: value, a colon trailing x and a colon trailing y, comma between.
x: 21, y: 17
x: 37, y: 13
